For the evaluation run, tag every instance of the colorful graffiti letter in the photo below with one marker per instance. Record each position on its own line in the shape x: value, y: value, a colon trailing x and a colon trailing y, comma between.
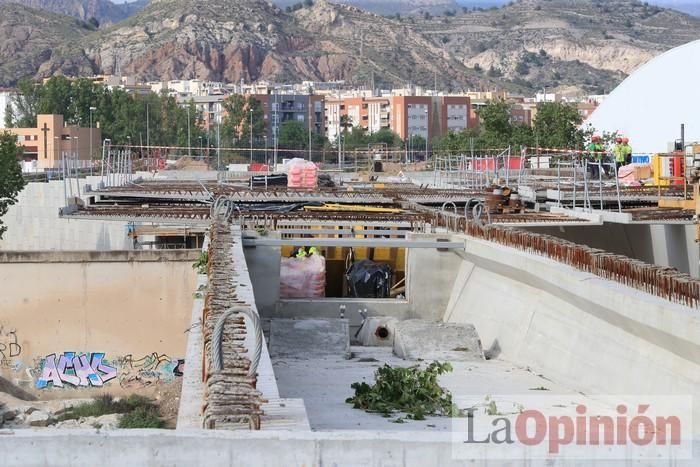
x: 76, y: 370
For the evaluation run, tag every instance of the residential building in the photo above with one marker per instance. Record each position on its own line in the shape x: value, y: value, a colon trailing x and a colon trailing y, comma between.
x: 370, y: 113
x: 307, y: 109
x: 521, y: 115
x: 52, y: 139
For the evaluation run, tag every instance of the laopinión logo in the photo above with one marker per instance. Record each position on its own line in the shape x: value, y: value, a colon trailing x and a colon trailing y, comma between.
x: 573, y: 426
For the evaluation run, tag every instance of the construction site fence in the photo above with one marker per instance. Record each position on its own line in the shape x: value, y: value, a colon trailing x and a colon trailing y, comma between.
x: 660, y: 281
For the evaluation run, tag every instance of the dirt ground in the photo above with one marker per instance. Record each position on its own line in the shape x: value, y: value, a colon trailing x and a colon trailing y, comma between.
x: 167, y: 397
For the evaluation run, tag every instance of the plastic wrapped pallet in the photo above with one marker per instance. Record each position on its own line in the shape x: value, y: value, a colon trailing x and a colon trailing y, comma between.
x: 303, y: 277
x: 367, y: 279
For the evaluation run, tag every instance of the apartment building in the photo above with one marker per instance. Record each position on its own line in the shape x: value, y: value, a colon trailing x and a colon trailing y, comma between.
x: 370, y: 113
x: 306, y: 109
x: 52, y: 138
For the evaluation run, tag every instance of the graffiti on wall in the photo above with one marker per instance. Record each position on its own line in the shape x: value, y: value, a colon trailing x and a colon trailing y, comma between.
x: 76, y: 370
x: 10, y: 348
x: 151, y: 369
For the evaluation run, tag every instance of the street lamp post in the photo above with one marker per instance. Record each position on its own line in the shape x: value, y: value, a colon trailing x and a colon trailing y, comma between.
x: 189, y: 139
x: 201, y: 149
x: 218, y: 137
x: 92, y: 155
x: 76, y: 157
x: 427, y: 133
x: 251, y: 137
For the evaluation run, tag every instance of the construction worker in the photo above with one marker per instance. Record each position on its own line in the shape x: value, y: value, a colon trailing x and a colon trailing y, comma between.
x: 299, y: 253
x: 595, y: 155
x: 627, y: 150
x: 619, y: 154
x: 314, y: 251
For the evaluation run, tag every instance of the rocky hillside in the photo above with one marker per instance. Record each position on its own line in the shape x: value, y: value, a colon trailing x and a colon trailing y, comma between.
x: 257, y: 40
x: 31, y: 38
x: 588, y: 44
x: 104, y: 11
x: 392, y: 7
x: 571, y: 45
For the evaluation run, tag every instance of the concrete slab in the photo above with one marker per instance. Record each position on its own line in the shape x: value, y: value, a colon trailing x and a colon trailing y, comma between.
x: 416, y: 339
x: 309, y: 337
x: 323, y: 382
x: 378, y: 332
x: 284, y: 414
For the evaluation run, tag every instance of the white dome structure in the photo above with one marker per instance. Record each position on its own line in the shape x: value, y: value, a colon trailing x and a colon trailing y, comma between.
x: 652, y: 103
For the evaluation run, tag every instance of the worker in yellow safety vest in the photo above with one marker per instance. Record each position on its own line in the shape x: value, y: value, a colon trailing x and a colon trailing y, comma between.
x: 300, y: 253
x: 314, y: 251
x: 619, y: 153
x: 627, y: 150
x: 595, y: 155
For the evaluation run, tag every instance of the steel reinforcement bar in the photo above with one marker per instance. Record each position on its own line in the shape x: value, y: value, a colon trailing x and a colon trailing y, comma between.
x: 231, y: 399
x: 663, y: 282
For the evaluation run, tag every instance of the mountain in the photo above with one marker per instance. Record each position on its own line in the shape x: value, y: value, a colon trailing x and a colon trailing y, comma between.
x: 256, y: 40
x: 104, y: 11
x: 589, y: 45
x: 31, y: 38
x: 392, y: 7
x: 570, y: 45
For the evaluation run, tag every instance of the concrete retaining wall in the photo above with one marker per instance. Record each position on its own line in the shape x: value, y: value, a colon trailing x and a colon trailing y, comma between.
x: 261, y: 449
x: 33, y: 223
x: 666, y: 245
x: 133, y: 307
x: 594, y: 335
x: 431, y: 274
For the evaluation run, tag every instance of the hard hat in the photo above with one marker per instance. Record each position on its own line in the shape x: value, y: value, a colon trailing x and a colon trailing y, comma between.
x: 595, y: 138
x: 618, y: 140
x: 625, y: 140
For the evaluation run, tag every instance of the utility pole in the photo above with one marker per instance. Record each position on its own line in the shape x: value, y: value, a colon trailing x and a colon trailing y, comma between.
x: 189, y: 142
x: 309, y: 125
x: 148, y: 132
x: 251, y: 137
x: 92, y: 109
x: 218, y: 138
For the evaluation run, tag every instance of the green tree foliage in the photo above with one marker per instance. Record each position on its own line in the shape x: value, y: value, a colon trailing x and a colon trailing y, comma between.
x: 9, y: 116
x: 236, y: 125
x: 119, y: 114
x: 293, y: 135
x: 557, y: 125
x: 11, y: 181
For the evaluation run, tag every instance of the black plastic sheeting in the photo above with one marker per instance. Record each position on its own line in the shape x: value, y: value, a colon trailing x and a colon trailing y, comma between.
x: 324, y: 180
x: 269, y: 180
x: 367, y: 279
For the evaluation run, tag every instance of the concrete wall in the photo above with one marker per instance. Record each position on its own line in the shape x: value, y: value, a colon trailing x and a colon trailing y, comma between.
x: 133, y: 306
x: 594, y: 335
x: 666, y: 245
x: 262, y: 449
x: 33, y: 223
x: 431, y: 274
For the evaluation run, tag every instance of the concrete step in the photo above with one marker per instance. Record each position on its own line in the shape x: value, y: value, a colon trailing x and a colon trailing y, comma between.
x: 427, y: 340
x: 285, y: 414
x: 305, y: 337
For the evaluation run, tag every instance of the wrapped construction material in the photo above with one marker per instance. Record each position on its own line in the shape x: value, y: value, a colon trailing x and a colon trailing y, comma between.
x: 634, y: 174
x: 303, y: 277
x: 367, y: 279
x: 301, y: 174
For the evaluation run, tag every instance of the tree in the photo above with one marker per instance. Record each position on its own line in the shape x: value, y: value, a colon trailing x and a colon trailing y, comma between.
x: 11, y: 181
x: 557, y: 125
x: 495, y: 123
x: 385, y: 136
x: 9, y: 116
x: 293, y: 135
x: 236, y: 124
